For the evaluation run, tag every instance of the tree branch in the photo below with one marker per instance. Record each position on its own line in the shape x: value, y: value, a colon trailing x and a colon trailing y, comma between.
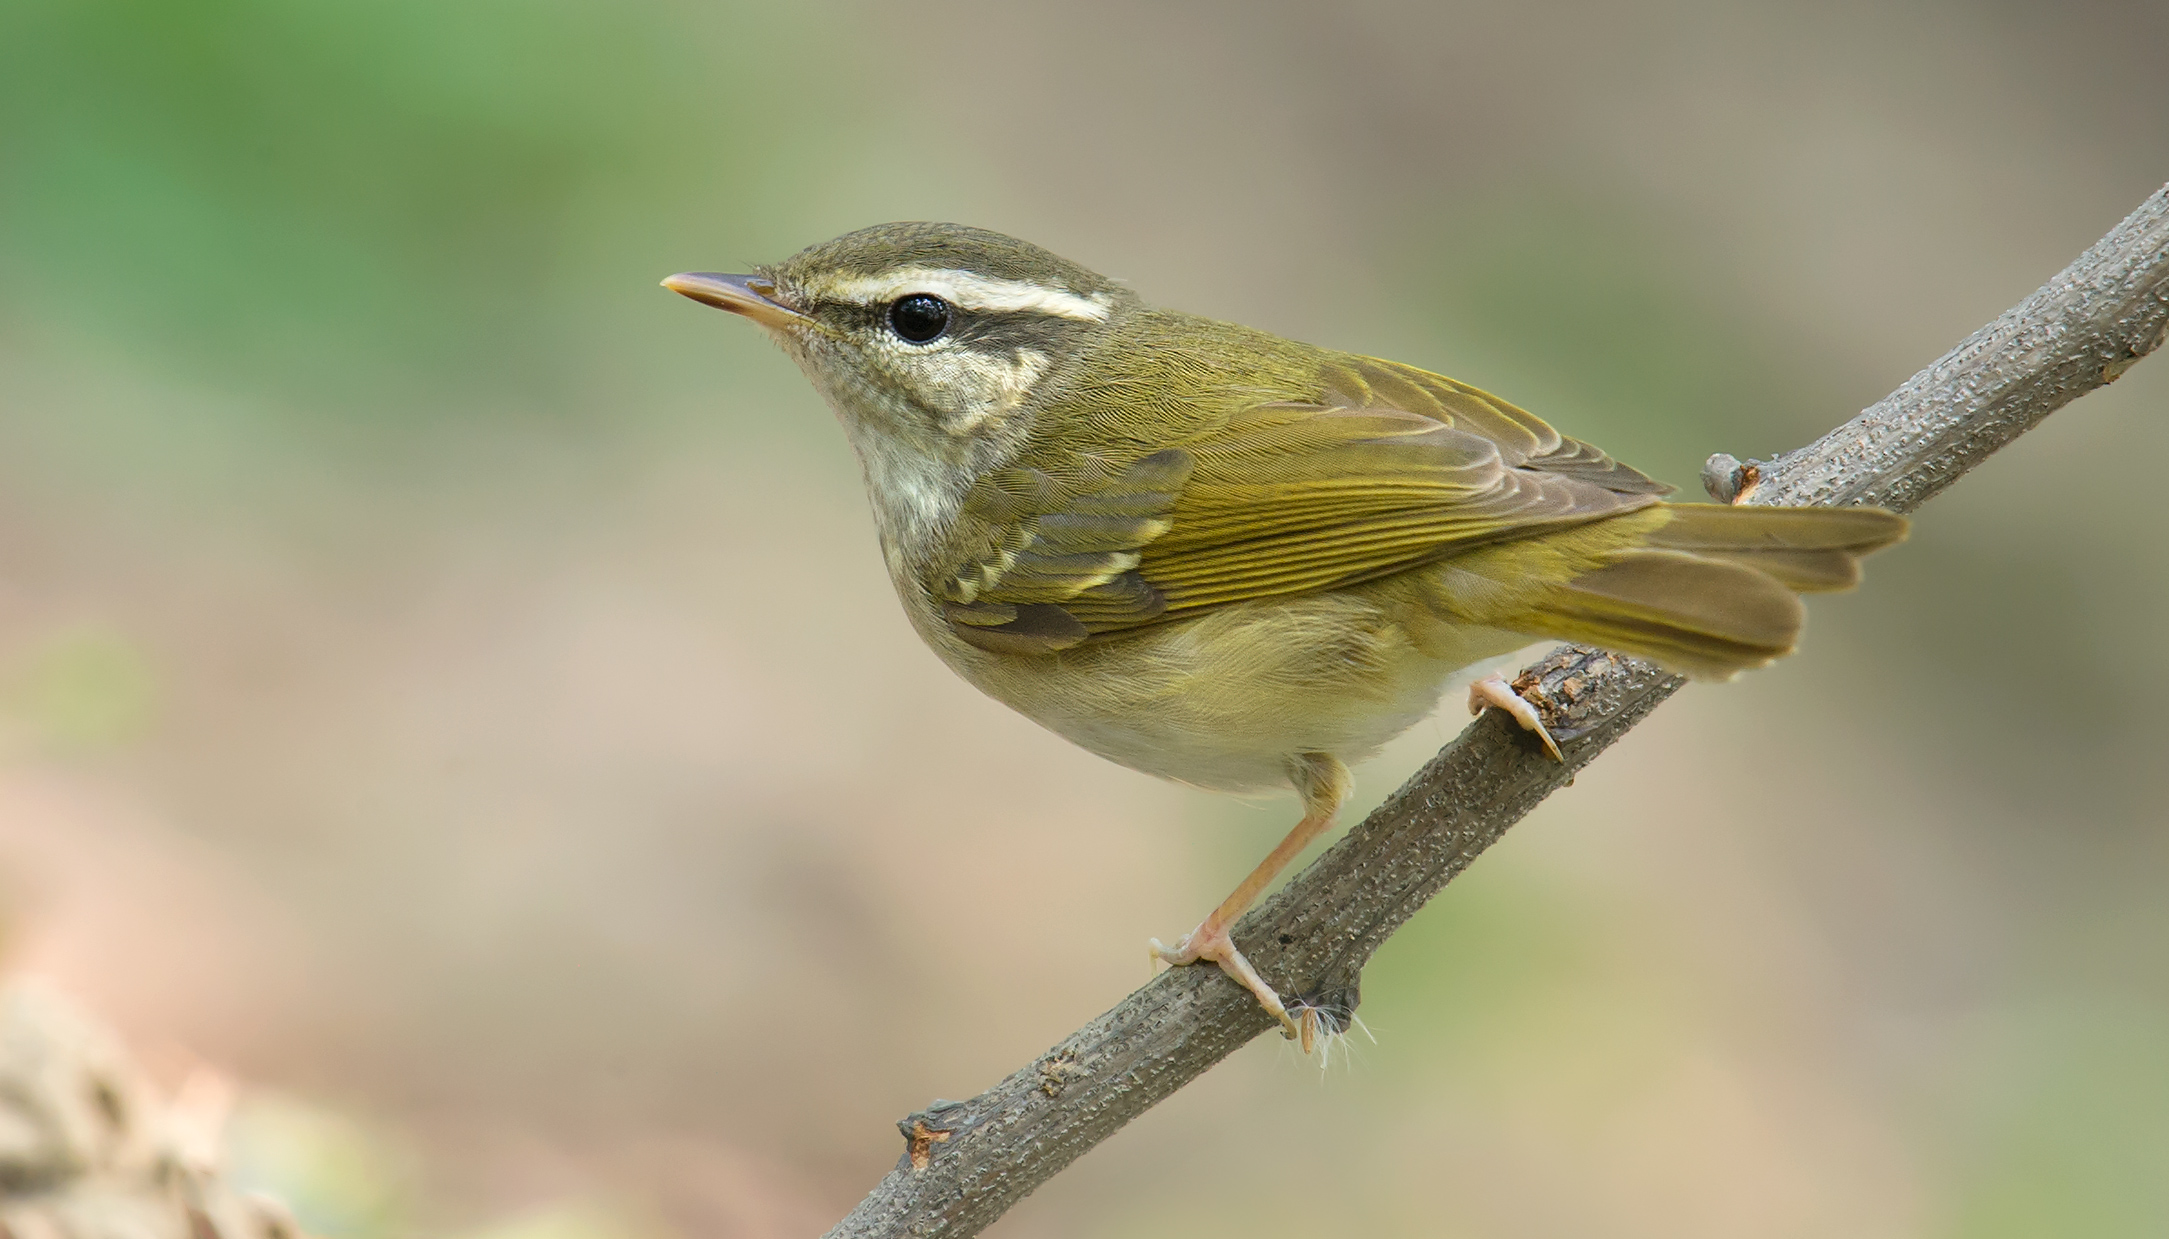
x: 966, y: 1163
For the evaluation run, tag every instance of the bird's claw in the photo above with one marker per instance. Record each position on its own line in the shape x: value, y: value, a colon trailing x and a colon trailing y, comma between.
x: 1493, y: 690
x: 1211, y: 942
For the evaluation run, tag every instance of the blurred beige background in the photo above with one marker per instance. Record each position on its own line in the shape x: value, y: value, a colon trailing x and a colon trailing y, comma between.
x: 449, y: 682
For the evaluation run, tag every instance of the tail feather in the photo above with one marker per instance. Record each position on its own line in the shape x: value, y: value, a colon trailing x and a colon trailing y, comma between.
x: 1712, y: 591
x: 1812, y: 550
x: 1708, y: 618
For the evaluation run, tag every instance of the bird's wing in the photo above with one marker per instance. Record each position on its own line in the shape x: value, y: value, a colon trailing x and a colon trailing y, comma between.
x: 1392, y: 468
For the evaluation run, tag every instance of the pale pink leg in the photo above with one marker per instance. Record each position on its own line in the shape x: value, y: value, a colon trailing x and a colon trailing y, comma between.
x: 1323, y: 783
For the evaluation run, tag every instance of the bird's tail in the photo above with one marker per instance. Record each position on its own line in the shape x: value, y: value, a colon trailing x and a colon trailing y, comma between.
x: 1712, y: 591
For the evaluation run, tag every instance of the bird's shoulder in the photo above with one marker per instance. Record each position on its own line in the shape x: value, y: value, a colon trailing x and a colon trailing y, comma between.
x: 1221, y: 391
x: 1204, y: 463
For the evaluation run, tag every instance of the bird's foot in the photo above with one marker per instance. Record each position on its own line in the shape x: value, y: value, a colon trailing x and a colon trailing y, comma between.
x: 1210, y: 941
x: 1493, y: 690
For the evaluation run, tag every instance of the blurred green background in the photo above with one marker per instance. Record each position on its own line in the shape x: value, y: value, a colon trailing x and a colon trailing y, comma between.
x: 450, y: 682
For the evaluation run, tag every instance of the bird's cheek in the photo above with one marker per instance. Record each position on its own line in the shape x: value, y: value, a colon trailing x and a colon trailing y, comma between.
x: 975, y: 391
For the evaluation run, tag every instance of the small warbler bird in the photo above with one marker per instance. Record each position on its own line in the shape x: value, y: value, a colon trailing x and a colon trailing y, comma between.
x: 1225, y: 558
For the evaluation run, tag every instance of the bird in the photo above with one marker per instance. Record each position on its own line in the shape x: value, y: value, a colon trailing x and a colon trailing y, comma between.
x: 1230, y: 559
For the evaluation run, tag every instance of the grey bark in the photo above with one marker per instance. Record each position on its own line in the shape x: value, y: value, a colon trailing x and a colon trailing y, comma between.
x: 965, y: 1163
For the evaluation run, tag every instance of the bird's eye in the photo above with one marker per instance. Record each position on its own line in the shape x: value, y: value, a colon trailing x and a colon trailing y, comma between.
x: 920, y: 317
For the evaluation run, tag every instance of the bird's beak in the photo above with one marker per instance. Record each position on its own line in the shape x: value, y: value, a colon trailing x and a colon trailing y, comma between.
x: 750, y: 295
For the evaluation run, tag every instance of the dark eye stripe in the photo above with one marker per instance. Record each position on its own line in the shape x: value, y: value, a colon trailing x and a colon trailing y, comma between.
x: 995, y: 332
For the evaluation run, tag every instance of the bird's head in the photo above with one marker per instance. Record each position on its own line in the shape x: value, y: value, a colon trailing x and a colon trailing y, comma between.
x: 927, y: 338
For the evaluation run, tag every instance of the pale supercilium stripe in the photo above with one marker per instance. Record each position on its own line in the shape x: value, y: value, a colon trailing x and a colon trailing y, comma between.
x: 968, y: 291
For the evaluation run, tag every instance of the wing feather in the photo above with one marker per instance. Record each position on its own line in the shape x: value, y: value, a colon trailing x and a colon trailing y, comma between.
x: 1389, y: 469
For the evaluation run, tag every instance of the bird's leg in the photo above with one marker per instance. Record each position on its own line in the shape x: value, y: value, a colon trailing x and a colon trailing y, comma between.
x: 1210, y: 939
x: 1493, y: 690
x: 1323, y: 783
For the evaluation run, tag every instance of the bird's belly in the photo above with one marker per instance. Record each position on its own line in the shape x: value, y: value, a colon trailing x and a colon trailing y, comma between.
x: 1223, y: 701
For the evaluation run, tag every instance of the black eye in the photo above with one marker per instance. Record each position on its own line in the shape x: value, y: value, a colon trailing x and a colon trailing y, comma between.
x: 919, y: 317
